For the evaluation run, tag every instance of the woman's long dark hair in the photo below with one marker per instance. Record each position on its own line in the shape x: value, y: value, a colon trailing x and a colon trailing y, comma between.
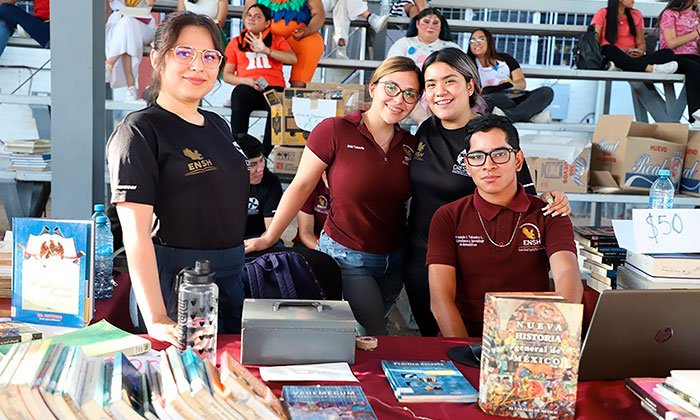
x: 458, y: 60
x: 166, y: 36
x: 491, y: 54
x: 445, y: 33
x: 611, y: 20
x: 676, y: 6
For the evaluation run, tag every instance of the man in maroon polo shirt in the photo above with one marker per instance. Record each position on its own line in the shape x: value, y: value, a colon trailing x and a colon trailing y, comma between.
x: 496, y: 240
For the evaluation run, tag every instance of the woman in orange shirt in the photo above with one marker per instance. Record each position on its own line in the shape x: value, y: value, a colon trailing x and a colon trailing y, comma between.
x: 254, y: 62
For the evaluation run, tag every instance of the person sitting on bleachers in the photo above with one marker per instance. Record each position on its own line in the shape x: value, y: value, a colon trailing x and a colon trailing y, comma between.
x: 427, y: 32
x: 496, y: 240
x: 408, y: 8
x: 265, y: 188
x: 215, y: 9
x: 343, y: 12
x: 313, y: 215
x: 680, y: 30
x: 254, y: 62
x: 620, y: 30
x: 128, y: 28
x: 36, y: 26
x: 298, y: 21
x: 503, y: 83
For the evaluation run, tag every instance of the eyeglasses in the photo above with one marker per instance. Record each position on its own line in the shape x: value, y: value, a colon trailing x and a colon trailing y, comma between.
x: 393, y: 90
x: 498, y: 156
x: 186, y: 55
x: 479, y: 40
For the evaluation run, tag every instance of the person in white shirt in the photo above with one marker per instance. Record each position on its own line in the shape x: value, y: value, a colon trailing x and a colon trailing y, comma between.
x: 215, y: 9
x: 344, y: 11
x: 428, y: 32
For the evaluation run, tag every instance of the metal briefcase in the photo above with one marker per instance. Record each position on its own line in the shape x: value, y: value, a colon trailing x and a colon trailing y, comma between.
x: 287, y: 332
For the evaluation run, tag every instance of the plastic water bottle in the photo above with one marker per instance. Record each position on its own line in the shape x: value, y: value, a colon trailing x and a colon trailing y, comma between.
x: 385, y: 7
x: 104, y: 250
x: 661, y: 191
x: 198, y: 310
x: 99, y: 210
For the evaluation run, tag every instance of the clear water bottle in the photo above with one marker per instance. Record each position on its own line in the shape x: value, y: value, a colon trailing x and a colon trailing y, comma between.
x: 99, y: 210
x: 661, y: 191
x: 104, y: 262
x: 385, y: 7
x: 198, y: 310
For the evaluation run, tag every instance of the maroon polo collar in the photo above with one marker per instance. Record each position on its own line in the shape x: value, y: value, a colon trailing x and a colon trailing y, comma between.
x: 518, y: 204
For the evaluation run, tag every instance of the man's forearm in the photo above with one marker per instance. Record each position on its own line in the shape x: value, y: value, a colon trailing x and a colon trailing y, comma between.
x: 449, y: 320
x: 570, y: 286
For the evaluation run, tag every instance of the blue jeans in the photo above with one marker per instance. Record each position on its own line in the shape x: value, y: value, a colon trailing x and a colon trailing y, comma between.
x: 11, y: 16
x: 371, y: 282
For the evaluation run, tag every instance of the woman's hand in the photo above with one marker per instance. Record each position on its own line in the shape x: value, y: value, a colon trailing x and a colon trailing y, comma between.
x: 557, y: 203
x: 635, y: 53
x: 250, y: 82
x: 163, y: 330
x: 301, y: 33
x: 257, y: 244
x: 256, y: 43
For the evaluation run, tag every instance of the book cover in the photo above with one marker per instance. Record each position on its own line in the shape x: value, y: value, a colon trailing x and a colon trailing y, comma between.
x: 326, y: 402
x: 15, y: 332
x: 125, y: 388
x: 643, y: 388
x: 52, y: 271
x: 667, y: 265
x: 605, y: 260
x: 424, y: 381
x: 530, y: 356
x: 101, y: 339
x: 595, y: 232
x: 630, y: 277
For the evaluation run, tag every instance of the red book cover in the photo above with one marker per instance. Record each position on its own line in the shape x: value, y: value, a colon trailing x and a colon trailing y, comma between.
x: 530, y: 356
x: 643, y: 388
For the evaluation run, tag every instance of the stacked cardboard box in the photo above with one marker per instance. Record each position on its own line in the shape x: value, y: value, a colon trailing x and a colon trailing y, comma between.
x: 690, y: 180
x: 558, y: 162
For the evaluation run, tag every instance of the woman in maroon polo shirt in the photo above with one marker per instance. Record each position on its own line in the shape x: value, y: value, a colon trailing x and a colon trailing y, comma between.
x: 366, y: 157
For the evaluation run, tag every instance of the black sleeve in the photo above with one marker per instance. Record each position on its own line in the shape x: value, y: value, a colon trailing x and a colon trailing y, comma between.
x: 526, y: 180
x: 274, y: 194
x: 133, y: 167
x: 510, y: 61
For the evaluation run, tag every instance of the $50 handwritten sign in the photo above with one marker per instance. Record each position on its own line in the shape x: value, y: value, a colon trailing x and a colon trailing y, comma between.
x: 674, y: 230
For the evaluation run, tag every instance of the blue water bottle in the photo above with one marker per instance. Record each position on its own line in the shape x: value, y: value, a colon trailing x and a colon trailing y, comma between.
x: 661, y: 191
x: 99, y: 210
x: 104, y: 251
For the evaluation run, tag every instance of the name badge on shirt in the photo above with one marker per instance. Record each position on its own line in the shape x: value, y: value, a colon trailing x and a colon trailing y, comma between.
x: 469, y: 241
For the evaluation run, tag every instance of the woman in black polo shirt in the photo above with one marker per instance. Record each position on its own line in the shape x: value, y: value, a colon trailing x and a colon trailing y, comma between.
x: 438, y: 172
x: 179, y: 182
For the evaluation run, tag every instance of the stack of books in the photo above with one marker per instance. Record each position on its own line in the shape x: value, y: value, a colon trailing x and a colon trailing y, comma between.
x: 660, y: 271
x: 6, y: 267
x: 29, y: 155
x: 675, y: 397
x: 601, y: 255
x: 428, y: 381
x: 44, y: 380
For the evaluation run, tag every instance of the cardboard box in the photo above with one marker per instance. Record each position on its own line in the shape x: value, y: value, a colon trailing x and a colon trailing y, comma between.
x: 628, y: 155
x: 286, y: 159
x: 558, y: 162
x: 319, y: 100
x: 690, y: 180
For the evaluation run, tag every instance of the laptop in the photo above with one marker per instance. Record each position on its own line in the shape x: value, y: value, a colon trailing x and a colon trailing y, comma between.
x: 642, y: 333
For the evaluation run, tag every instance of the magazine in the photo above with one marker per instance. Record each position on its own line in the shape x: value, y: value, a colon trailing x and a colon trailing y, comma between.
x: 326, y: 402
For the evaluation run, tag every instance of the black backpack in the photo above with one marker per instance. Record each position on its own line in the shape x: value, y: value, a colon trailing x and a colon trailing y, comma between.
x: 589, y: 55
x: 281, y: 275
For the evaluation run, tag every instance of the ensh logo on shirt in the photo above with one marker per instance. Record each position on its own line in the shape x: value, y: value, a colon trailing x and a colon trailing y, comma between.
x: 460, y: 168
x: 199, y: 164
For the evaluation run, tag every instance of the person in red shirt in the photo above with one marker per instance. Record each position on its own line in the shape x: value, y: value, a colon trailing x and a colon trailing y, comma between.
x: 496, y: 240
x: 366, y: 156
x: 36, y: 26
x: 313, y: 215
x: 254, y: 62
x: 620, y: 30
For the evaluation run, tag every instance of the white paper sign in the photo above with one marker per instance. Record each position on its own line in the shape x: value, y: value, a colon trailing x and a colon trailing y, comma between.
x: 316, y: 372
x: 660, y: 231
x: 308, y: 113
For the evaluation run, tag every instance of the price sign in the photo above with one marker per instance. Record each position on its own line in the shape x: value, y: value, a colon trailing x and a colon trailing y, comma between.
x: 666, y: 231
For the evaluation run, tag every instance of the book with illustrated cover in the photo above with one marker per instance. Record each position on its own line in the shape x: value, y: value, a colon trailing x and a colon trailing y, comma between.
x: 53, y: 271
x: 326, y: 402
x: 530, y: 355
x: 15, y: 332
x: 428, y: 381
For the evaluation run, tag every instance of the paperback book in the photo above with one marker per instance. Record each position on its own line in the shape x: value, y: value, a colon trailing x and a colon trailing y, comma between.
x: 418, y: 381
x: 15, y: 332
x: 530, y: 355
x: 53, y: 271
x: 655, y: 404
x: 326, y: 403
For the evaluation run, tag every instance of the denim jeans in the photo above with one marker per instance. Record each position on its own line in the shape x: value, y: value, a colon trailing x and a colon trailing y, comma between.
x: 11, y: 16
x: 371, y: 282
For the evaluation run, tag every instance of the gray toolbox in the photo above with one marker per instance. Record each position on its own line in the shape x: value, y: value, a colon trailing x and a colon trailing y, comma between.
x: 288, y: 332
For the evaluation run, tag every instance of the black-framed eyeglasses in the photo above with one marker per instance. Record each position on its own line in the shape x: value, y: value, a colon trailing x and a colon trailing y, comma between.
x: 499, y: 156
x: 392, y: 89
x: 186, y: 55
x: 478, y: 40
